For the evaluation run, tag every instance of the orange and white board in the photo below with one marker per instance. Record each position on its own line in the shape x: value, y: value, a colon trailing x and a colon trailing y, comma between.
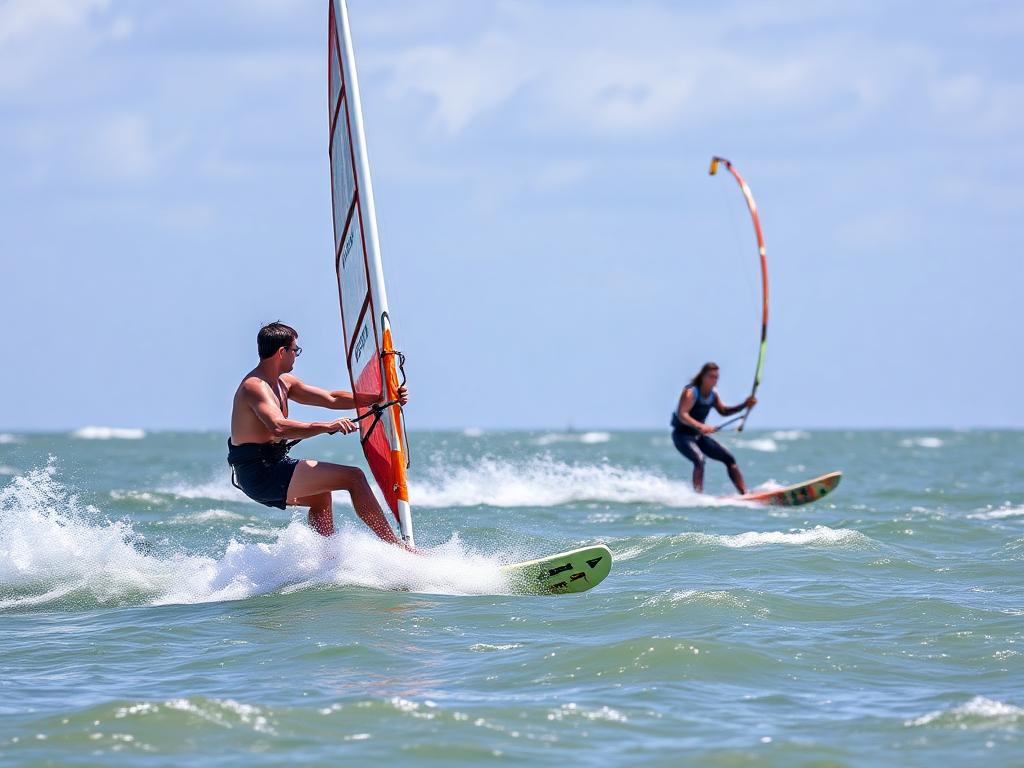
x: 795, y: 495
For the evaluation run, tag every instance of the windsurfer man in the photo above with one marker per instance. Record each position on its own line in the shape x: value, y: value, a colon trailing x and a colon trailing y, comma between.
x: 260, y: 427
x: 692, y: 437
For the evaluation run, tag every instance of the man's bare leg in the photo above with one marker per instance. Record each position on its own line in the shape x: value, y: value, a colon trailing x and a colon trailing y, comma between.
x: 314, y: 478
x: 321, y: 512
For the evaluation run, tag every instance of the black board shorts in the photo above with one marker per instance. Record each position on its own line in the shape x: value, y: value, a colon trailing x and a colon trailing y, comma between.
x: 262, y: 471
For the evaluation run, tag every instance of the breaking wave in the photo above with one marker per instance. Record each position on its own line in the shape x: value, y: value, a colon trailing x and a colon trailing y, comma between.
x: 979, y: 712
x: 543, y: 482
x: 55, y: 549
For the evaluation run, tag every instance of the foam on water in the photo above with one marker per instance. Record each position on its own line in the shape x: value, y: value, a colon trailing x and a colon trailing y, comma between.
x: 818, y: 536
x: 207, y: 516
x: 922, y: 442
x: 543, y: 482
x: 144, y: 497
x: 217, y: 489
x: 979, y: 712
x: 108, y: 433
x: 998, y: 514
x: 221, y: 489
x: 764, y: 444
x: 54, y: 547
x: 8, y: 439
x: 5, y: 470
x: 584, y: 438
x: 790, y: 434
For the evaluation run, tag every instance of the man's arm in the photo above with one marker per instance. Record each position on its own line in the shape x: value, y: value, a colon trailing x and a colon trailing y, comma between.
x: 257, y: 396
x: 338, y: 400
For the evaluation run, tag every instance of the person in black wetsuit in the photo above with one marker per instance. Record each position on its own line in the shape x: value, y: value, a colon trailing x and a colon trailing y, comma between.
x: 692, y: 437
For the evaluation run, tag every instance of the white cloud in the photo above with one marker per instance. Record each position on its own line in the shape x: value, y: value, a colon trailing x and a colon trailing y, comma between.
x: 624, y: 71
x: 25, y: 20
x: 465, y: 82
x: 39, y: 37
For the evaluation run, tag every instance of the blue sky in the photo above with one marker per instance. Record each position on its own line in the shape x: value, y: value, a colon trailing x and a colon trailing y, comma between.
x: 555, y: 251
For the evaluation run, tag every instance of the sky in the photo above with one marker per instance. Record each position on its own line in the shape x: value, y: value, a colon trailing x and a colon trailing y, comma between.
x: 555, y: 252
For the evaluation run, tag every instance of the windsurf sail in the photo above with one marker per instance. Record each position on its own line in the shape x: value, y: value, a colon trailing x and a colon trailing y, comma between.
x: 373, y: 363
x: 752, y: 206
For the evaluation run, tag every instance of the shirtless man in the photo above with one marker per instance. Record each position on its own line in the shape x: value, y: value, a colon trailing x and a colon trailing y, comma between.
x: 260, y: 429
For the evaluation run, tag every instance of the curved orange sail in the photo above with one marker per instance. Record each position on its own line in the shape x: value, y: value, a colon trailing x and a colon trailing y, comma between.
x: 370, y: 358
x: 752, y: 206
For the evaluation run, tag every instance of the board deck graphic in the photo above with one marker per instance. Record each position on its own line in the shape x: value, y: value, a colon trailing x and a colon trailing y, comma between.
x: 795, y: 495
x: 567, y: 572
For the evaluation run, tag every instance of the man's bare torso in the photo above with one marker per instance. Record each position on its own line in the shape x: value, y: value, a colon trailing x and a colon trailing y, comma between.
x: 246, y: 426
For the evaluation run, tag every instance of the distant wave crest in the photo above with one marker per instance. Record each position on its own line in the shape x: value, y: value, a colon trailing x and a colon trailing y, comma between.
x: 922, y: 442
x: 584, y: 438
x: 979, y: 712
x: 818, y: 536
x: 108, y: 433
x: 543, y: 482
x: 998, y: 514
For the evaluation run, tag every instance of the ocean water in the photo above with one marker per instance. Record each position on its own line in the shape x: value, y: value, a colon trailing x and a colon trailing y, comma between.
x: 151, y: 615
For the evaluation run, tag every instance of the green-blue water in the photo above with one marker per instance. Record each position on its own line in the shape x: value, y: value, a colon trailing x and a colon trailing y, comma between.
x: 151, y: 615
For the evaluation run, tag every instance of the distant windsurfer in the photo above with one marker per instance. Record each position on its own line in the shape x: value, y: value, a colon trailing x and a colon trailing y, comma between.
x: 258, y: 449
x: 692, y: 437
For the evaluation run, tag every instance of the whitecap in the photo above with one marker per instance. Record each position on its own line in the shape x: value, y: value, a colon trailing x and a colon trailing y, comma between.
x: 922, y: 442
x: 207, y: 516
x: 108, y: 433
x: 764, y: 444
x: 142, y: 496
x: 253, y: 530
x: 543, y: 482
x: 8, y: 439
x: 6, y: 470
x: 473, y: 432
x: 819, y: 536
x: 998, y: 514
x: 790, y: 434
x: 979, y: 712
x: 219, y: 489
x: 583, y: 438
x: 571, y: 709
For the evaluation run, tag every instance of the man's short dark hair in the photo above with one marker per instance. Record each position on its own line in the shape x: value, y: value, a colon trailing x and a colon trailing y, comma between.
x: 273, y: 336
